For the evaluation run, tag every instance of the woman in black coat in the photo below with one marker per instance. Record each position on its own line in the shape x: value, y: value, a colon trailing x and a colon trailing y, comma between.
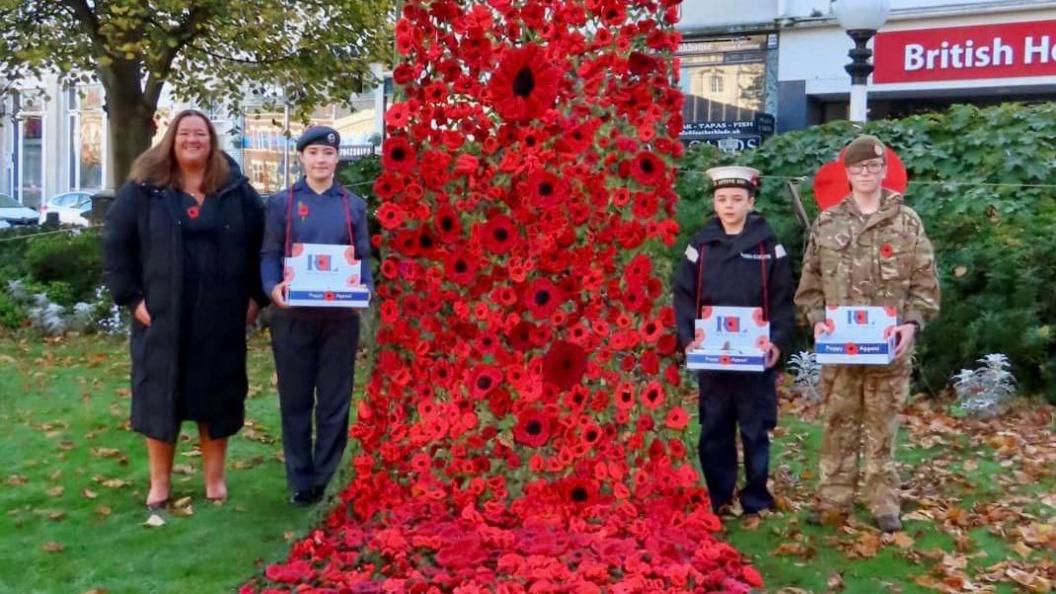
x: 182, y: 244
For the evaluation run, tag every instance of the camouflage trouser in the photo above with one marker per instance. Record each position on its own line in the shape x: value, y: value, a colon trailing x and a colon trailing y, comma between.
x: 860, y: 408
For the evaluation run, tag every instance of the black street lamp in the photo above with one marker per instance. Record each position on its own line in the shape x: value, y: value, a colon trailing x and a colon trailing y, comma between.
x: 861, y: 19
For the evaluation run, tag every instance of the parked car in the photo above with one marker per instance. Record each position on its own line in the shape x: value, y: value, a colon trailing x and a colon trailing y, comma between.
x: 14, y: 213
x: 73, y: 208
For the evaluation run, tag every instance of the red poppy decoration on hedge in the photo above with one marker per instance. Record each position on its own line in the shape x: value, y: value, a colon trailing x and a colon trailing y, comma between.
x: 499, y: 234
x: 525, y: 84
x: 397, y: 154
x: 525, y: 396
x: 648, y: 169
x: 677, y: 418
x: 533, y: 429
x: 564, y: 364
x: 542, y: 298
x: 544, y: 189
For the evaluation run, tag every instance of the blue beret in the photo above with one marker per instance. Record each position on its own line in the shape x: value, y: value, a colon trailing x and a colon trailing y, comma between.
x: 324, y: 135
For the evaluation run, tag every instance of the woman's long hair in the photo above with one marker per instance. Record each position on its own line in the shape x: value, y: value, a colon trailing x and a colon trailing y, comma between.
x: 157, y: 165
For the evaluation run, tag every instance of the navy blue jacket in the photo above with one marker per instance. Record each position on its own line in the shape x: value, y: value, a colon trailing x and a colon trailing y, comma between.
x: 734, y: 268
x: 325, y: 222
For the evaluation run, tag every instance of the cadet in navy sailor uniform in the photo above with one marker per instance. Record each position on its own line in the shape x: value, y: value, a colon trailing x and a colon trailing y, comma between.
x: 736, y: 260
x: 314, y: 347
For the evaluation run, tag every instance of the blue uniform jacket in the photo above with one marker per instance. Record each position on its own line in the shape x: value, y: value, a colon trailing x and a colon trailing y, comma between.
x: 316, y: 218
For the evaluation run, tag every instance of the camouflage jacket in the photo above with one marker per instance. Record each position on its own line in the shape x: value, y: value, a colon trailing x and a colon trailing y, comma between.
x: 882, y: 259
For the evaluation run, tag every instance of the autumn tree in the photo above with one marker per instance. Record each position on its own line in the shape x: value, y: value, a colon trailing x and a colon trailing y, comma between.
x: 210, y: 52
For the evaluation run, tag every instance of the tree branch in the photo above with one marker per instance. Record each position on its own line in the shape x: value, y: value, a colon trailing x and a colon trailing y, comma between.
x: 83, y: 14
x: 184, y: 34
x: 217, y: 56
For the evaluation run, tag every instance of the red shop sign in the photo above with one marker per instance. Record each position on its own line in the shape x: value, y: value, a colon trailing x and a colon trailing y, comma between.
x: 960, y: 53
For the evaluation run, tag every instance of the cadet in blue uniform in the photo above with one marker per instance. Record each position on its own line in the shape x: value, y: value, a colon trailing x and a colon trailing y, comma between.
x: 314, y: 347
x: 736, y: 260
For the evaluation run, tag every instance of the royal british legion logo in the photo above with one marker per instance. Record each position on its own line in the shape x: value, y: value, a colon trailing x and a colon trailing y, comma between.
x: 731, y: 324
x: 320, y: 263
x: 858, y: 317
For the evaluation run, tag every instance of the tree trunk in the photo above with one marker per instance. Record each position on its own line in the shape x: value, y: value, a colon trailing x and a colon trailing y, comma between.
x: 131, y: 115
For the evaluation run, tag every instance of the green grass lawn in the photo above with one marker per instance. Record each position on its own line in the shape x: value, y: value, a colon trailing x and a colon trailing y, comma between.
x: 74, y: 480
x: 963, y: 530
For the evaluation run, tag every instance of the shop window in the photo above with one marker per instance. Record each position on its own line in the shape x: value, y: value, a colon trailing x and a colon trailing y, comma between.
x: 723, y: 79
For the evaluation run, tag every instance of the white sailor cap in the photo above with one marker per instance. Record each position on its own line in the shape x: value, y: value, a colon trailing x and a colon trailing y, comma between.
x: 734, y: 176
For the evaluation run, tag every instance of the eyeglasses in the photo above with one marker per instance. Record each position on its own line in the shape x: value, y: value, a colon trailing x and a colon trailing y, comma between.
x: 870, y: 166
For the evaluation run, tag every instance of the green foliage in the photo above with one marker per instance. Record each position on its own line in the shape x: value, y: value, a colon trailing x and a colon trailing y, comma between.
x: 979, y: 179
x: 358, y: 176
x: 12, y: 315
x: 13, y: 245
x: 68, y: 267
x: 208, y: 52
x: 319, y: 53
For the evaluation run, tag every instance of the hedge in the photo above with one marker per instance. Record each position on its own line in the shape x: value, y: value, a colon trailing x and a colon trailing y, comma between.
x: 982, y: 180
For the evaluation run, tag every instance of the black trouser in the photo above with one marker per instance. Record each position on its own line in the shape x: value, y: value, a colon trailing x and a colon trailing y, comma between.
x: 730, y: 401
x: 315, y: 361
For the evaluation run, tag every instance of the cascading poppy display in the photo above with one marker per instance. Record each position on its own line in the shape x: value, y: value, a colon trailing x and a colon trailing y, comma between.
x: 519, y: 430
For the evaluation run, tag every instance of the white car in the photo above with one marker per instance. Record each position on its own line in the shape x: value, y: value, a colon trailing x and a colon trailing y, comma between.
x: 73, y: 208
x: 13, y: 213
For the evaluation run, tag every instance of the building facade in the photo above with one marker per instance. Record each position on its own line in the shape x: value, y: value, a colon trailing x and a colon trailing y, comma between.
x: 929, y: 55
x: 54, y: 138
x: 748, y: 68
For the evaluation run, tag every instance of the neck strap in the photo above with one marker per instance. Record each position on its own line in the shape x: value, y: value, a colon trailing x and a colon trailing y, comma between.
x: 289, y: 218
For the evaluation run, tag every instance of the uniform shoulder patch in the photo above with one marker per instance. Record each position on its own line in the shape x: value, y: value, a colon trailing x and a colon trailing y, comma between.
x: 692, y: 254
x: 911, y: 215
x: 779, y: 251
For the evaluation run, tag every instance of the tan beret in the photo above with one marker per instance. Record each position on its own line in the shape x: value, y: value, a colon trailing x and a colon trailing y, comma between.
x: 863, y: 148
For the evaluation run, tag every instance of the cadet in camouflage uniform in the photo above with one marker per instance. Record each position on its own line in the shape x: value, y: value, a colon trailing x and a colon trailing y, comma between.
x: 870, y: 249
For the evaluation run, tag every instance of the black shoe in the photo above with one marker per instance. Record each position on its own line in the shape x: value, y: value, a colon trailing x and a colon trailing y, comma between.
x: 306, y: 498
x: 756, y: 511
x: 158, y: 506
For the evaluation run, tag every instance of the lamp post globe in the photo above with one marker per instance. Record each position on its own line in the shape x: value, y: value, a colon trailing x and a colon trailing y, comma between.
x: 861, y: 19
x: 864, y: 15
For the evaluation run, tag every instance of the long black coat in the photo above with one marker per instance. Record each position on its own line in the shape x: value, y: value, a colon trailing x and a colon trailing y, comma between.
x: 143, y: 252
x: 735, y: 270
